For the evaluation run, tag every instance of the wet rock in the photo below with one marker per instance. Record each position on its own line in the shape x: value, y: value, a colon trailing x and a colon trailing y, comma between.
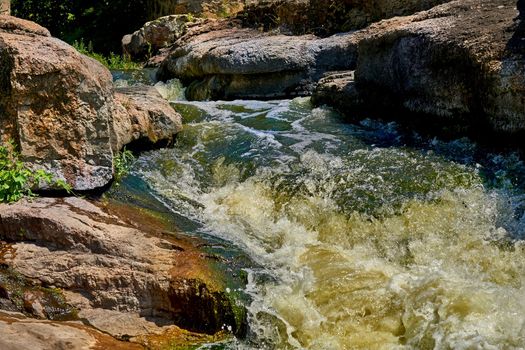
x: 326, y: 17
x: 17, y: 293
x: 453, y: 67
x: 58, y: 106
x: 113, y: 273
x: 339, y: 91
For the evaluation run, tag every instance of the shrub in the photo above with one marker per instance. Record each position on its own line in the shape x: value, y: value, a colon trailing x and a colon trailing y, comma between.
x: 16, y: 180
x: 113, y: 61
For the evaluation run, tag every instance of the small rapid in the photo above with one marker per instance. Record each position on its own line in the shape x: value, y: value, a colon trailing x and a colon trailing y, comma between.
x: 364, y: 236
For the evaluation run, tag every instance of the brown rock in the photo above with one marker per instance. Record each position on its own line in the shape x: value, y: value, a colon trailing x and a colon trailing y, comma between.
x: 21, y: 333
x: 143, y: 115
x: 56, y: 103
x: 204, y: 8
x: 106, y: 264
x: 59, y: 105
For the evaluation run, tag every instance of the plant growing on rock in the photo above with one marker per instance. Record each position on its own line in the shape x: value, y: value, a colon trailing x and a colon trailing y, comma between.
x: 122, y: 162
x: 16, y: 179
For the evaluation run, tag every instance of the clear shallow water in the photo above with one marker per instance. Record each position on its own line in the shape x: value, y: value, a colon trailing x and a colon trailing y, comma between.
x: 362, y: 242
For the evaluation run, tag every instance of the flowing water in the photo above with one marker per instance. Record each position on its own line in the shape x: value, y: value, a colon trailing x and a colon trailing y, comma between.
x: 363, y: 236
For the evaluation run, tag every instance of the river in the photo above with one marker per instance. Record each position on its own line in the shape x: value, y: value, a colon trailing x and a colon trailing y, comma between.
x: 363, y: 236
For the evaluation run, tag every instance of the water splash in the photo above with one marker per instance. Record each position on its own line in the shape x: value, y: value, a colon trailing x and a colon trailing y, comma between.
x: 364, y: 242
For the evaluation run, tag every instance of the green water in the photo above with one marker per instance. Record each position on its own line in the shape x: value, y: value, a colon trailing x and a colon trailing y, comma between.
x: 365, y: 236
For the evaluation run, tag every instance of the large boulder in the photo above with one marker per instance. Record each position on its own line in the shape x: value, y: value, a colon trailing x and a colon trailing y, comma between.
x: 224, y: 61
x: 58, y: 106
x: 455, y: 66
x: 119, y: 268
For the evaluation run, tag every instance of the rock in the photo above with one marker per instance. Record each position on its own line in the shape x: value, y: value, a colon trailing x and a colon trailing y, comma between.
x: 5, y: 7
x: 56, y: 103
x: 230, y: 62
x: 325, y: 18
x: 339, y: 90
x: 114, y: 272
x: 222, y: 60
x: 155, y: 35
x: 144, y: 115
x: 58, y: 106
x: 21, y: 333
x: 453, y: 67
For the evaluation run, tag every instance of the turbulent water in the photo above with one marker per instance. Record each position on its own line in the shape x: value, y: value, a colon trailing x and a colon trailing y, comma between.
x: 366, y: 237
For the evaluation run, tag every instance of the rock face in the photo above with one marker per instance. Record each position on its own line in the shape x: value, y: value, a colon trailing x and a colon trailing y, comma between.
x: 58, y: 106
x: 126, y: 279
x: 453, y: 66
x: 324, y: 17
x: 227, y: 62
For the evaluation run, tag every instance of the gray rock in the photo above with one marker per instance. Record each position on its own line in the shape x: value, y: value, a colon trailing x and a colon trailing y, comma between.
x: 452, y: 67
x: 155, y: 35
x: 234, y: 63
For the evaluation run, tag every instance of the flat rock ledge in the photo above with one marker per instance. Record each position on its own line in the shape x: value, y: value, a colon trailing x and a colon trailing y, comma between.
x: 458, y: 68
x: 147, y: 286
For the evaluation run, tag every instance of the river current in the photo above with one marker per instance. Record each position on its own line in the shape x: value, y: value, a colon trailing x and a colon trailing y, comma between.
x: 364, y: 236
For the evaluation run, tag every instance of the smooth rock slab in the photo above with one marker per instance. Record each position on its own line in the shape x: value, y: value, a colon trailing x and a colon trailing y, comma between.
x: 230, y: 63
x: 21, y: 333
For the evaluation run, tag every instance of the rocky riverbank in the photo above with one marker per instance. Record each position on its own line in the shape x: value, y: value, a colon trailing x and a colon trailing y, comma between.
x: 96, y: 274
x: 458, y: 67
x: 455, y: 67
x: 83, y: 274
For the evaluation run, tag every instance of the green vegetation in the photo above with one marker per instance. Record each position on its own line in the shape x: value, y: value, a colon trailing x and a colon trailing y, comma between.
x: 122, y: 162
x: 16, y: 180
x: 102, y: 22
x: 113, y: 61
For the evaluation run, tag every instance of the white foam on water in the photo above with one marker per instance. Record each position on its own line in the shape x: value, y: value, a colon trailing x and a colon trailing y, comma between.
x: 371, y: 248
